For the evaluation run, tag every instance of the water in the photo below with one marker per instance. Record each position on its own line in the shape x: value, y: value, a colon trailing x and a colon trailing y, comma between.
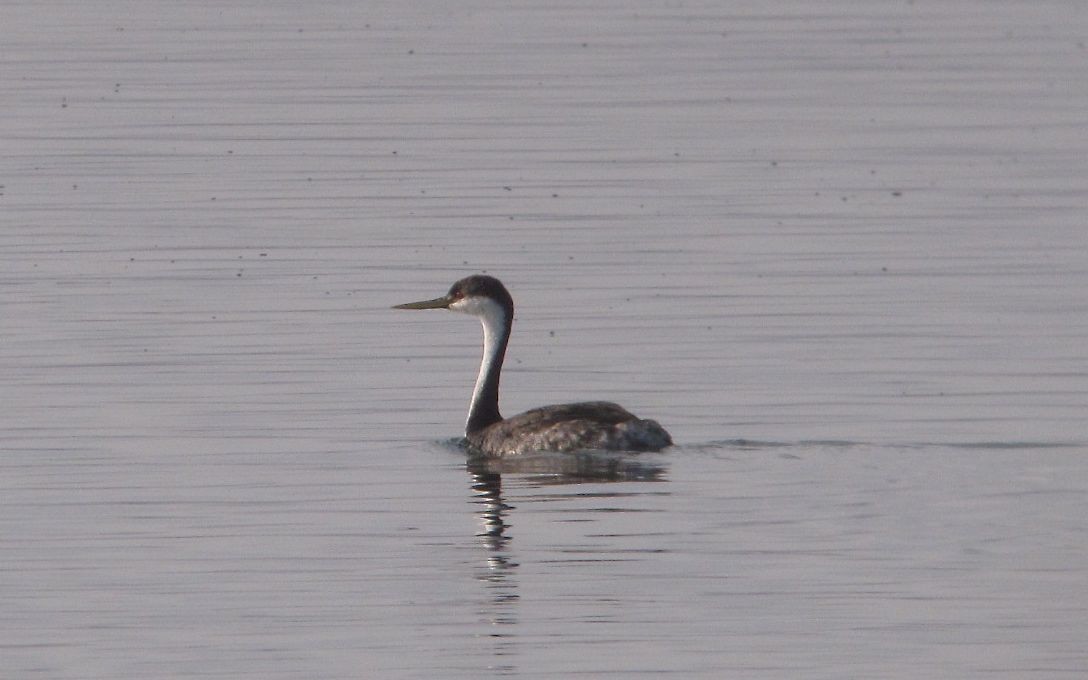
x: 839, y: 252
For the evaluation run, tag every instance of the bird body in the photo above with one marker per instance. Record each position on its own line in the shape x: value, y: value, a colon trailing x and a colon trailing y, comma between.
x: 561, y: 427
x: 570, y: 427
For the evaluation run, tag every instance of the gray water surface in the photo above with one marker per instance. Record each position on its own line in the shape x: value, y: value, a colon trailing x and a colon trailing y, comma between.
x: 839, y: 250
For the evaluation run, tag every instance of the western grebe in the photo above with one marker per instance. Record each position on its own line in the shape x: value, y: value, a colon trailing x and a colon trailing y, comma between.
x: 562, y: 427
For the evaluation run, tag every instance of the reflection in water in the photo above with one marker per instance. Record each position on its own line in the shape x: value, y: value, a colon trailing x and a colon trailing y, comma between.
x: 488, y: 489
x: 499, y: 608
x: 574, y: 468
x: 546, y: 469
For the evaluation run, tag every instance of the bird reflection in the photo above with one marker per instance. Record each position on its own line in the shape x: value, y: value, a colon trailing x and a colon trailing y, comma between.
x: 499, y: 608
x: 542, y: 470
x: 487, y: 486
x: 547, y: 468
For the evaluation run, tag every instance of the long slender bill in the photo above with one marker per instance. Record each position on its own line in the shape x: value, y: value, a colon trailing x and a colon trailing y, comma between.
x: 437, y: 303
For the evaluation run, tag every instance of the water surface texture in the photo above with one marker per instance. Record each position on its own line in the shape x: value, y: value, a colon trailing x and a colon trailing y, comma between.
x: 839, y: 249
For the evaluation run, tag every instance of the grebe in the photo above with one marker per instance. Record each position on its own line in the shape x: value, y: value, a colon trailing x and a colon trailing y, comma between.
x: 562, y: 427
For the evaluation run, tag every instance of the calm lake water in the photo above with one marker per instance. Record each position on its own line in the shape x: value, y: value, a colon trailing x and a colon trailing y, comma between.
x: 839, y: 250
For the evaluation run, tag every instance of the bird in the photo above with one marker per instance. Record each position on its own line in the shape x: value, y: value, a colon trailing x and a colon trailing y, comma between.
x: 583, y: 426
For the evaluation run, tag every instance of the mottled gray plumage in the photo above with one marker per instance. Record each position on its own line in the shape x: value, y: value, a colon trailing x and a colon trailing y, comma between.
x: 563, y: 427
x: 570, y: 427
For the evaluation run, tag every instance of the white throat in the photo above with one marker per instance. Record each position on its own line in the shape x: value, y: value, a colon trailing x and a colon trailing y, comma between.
x: 493, y: 318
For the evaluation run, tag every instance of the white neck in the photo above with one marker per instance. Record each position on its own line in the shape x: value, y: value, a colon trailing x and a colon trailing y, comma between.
x: 493, y: 319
